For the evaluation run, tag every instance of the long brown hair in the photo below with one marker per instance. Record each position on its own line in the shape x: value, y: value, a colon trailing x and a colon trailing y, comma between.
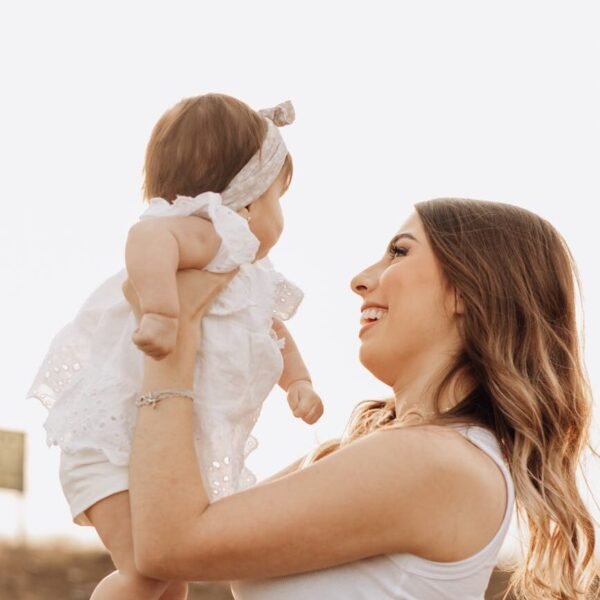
x: 517, y: 280
x: 200, y: 144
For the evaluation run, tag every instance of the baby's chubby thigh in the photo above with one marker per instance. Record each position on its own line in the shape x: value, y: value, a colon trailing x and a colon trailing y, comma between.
x: 111, y: 519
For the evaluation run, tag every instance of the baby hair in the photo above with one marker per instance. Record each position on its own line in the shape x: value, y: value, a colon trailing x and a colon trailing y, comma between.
x: 200, y: 144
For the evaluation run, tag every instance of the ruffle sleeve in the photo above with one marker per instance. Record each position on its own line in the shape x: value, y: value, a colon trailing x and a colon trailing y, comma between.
x: 287, y: 295
x: 238, y: 244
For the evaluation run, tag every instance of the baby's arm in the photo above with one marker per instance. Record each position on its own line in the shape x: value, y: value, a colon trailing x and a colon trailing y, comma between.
x: 155, y: 250
x: 295, y: 379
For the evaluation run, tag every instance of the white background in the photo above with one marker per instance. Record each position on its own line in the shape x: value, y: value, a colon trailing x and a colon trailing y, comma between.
x: 396, y: 102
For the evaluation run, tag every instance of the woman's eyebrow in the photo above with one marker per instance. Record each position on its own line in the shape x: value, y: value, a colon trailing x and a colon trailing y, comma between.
x: 403, y: 235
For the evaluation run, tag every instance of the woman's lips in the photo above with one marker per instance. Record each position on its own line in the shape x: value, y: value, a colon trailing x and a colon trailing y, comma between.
x: 371, y: 314
x: 369, y: 325
x: 365, y: 327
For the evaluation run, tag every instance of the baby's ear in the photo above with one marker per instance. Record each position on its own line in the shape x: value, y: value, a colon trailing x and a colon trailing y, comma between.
x: 244, y: 212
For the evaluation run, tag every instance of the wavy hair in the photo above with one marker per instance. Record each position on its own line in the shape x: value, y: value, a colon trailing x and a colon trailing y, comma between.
x: 518, y: 282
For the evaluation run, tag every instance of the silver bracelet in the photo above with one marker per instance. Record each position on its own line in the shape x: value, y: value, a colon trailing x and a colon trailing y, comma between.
x: 153, y: 398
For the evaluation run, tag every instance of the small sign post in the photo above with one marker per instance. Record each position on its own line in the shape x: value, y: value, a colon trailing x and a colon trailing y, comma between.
x: 12, y: 460
x: 12, y: 471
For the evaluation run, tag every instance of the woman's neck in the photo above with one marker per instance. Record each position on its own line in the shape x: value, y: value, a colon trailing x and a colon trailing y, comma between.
x: 416, y: 387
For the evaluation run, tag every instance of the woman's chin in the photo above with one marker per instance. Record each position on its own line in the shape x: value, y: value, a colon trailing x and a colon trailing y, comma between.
x: 377, y: 361
x: 368, y: 359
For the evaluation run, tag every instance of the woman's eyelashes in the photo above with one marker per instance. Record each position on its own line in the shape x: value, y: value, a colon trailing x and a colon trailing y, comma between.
x: 395, y: 251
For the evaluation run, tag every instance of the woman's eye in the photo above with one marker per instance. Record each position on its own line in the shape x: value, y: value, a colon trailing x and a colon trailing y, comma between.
x: 396, y: 251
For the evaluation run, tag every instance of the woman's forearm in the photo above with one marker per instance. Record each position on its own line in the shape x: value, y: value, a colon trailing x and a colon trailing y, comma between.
x: 166, y: 489
x: 177, y: 368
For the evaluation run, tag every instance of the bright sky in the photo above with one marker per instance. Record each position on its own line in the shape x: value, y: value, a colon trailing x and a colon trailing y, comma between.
x: 395, y: 102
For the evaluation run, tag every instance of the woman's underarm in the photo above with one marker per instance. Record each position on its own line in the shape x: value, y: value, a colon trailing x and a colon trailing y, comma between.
x: 289, y: 469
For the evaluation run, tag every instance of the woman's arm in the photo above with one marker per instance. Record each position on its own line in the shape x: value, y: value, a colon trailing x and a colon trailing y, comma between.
x: 354, y: 503
x: 344, y: 507
x: 289, y: 469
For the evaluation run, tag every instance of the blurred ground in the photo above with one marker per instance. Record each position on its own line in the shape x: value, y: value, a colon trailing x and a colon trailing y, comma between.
x: 63, y: 573
x: 58, y: 573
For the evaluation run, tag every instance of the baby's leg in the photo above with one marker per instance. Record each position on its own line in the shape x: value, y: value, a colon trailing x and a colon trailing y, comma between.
x: 112, y: 521
x: 152, y: 260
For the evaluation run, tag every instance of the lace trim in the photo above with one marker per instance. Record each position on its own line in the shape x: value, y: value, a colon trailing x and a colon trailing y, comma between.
x: 288, y: 297
x: 61, y: 367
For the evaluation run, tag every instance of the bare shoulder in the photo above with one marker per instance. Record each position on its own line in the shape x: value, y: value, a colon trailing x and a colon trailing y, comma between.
x: 463, y: 504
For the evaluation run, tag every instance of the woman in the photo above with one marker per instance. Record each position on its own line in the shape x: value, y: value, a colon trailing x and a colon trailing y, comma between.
x: 470, y: 317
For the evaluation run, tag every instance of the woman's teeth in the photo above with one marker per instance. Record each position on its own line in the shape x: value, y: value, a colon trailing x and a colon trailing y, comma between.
x: 372, y: 314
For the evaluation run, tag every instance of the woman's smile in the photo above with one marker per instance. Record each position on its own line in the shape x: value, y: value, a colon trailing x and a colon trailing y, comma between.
x: 370, y: 315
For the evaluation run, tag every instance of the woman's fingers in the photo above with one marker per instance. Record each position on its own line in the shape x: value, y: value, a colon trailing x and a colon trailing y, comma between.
x: 132, y: 298
x: 197, y: 290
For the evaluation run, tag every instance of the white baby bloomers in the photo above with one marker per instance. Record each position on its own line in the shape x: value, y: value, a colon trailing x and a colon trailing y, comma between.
x: 92, y: 373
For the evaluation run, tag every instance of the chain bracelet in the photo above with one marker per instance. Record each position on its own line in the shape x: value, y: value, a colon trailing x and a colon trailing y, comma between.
x: 153, y: 398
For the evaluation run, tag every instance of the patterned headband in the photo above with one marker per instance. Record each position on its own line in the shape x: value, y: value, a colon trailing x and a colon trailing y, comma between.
x: 262, y: 169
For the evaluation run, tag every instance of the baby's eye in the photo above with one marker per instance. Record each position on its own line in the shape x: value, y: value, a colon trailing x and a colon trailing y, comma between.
x: 396, y: 251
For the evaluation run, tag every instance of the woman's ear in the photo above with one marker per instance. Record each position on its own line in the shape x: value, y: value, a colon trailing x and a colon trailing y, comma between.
x: 459, y: 307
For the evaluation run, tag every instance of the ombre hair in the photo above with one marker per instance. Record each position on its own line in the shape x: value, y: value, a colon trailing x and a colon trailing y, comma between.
x: 200, y: 144
x: 518, y: 282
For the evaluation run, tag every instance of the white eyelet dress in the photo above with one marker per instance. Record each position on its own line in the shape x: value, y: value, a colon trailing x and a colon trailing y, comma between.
x: 399, y: 576
x: 92, y: 372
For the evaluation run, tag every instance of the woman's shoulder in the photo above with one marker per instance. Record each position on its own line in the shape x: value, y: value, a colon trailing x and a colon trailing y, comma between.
x: 464, y: 504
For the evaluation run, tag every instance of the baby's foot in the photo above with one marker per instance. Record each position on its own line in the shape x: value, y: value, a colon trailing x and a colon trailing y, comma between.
x: 156, y: 335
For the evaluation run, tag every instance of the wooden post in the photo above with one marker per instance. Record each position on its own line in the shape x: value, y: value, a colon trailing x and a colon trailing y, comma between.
x: 12, y: 474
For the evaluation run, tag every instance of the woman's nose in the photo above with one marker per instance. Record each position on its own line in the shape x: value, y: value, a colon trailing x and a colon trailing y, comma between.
x: 363, y: 283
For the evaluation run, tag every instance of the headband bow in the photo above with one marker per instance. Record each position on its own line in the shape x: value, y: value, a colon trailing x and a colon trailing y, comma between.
x: 256, y: 176
x: 282, y: 114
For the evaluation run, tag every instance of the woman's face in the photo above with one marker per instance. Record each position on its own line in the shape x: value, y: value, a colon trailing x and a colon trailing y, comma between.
x: 408, y: 315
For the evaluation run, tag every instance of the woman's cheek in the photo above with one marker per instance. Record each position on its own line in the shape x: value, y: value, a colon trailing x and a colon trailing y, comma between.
x: 390, y: 281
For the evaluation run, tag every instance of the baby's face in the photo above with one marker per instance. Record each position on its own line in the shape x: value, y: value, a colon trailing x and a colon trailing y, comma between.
x: 266, y: 221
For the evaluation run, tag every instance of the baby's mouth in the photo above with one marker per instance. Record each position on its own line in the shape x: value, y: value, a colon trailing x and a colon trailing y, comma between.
x: 372, y: 315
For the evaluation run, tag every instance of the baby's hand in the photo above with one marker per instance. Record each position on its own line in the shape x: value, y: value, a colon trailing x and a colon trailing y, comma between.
x: 156, y: 335
x: 304, y: 401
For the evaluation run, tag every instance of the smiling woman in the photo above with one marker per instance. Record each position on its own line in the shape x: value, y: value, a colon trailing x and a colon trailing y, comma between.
x: 408, y: 288
x: 490, y: 407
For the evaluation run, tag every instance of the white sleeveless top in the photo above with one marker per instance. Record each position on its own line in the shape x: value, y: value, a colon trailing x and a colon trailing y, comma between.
x: 400, y: 576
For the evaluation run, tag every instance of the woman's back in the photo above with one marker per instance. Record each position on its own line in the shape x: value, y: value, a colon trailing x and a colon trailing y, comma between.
x: 401, y: 576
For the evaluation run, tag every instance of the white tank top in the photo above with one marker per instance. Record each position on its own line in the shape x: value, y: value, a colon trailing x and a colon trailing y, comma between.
x: 400, y: 576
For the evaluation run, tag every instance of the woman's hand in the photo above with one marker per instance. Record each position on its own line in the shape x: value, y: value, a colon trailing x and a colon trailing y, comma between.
x: 196, y: 290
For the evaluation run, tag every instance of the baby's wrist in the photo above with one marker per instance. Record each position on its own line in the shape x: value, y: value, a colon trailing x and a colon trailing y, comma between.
x: 304, y: 380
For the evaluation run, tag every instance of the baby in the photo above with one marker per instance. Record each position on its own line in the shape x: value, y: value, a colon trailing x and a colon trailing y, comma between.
x: 214, y: 173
